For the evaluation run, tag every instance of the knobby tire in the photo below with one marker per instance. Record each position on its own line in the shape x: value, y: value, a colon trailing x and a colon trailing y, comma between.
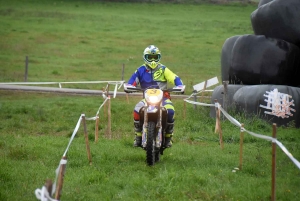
x: 150, y: 147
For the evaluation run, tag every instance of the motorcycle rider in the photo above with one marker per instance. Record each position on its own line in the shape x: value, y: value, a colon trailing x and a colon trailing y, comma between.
x: 152, y: 72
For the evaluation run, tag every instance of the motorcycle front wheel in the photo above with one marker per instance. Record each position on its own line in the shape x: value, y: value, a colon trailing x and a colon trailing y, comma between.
x: 150, y: 147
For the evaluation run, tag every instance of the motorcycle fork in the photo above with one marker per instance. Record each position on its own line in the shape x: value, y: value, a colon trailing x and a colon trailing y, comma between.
x: 159, y: 138
x: 145, y: 126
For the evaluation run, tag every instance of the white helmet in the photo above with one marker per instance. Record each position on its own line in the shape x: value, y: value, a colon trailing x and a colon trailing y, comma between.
x: 152, y: 56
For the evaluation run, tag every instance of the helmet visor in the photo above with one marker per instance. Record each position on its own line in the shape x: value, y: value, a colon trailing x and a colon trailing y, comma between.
x: 152, y: 57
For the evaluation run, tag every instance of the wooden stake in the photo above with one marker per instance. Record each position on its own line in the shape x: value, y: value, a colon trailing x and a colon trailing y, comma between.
x: 220, y: 132
x: 184, y: 109
x: 86, y: 140
x: 127, y: 98
x: 60, y: 179
x: 123, y: 68
x: 241, y: 146
x: 48, y: 185
x: 97, y: 129
x: 109, y: 119
x: 26, y: 69
x: 225, y: 95
x: 217, y: 118
x: 107, y: 90
x: 108, y: 130
x: 195, y: 99
x: 218, y: 126
x: 273, y: 194
x: 205, y: 83
x: 105, y: 105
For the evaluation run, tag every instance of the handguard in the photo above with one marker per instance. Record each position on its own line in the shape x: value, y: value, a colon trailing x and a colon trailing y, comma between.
x: 179, y: 89
x: 128, y: 88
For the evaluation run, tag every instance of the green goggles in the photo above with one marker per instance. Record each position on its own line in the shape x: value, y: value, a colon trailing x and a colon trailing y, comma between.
x: 152, y: 57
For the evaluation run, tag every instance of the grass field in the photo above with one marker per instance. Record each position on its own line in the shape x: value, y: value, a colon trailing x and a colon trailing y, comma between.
x: 77, y: 40
x: 90, y: 40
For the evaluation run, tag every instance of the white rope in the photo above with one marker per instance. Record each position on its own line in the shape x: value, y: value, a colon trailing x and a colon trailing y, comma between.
x: 43, y: 194
x: 192, y: 95
x: 79, y: 82
x: 121, y: 84
x: 230, y: 118
x: 90, y: 118
x: 74, y: 133
x: 198, y: 92
x: 97, y: 114
x: 115, y: 91
x: 102, y: 106
x: 62, y: 162
x: 106, y: 87
x: 297, y: 163
x: 197, y: 103
x: 260, y: 136
x: 238, y: 124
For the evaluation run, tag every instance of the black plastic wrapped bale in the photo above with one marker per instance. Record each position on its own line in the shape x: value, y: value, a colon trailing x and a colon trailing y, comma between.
x: 278, y: 19
x: 263, y: 2
x: 218, y: 94
x: 275, y: 103
x: 226, y: 56
x: 260, y: 60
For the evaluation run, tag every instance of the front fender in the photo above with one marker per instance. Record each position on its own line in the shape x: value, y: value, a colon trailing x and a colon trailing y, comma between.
x: 152, y: 109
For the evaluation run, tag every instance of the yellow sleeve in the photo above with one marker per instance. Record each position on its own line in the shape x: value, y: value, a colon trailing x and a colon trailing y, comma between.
x: 170, y: 76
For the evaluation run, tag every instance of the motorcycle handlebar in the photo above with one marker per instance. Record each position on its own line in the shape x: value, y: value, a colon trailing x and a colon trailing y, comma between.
x: 132, y: 89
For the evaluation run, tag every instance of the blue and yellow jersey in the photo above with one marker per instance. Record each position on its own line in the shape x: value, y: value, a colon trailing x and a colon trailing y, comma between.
x: 160, y: 76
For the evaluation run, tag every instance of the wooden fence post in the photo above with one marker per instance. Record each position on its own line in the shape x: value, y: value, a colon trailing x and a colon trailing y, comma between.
x: 60, y: 179
x: 218, y: 125
x: 109, y: 119
x: 127, y: 98
x: 26, y: 69
x: 195, y: 99
x: 86, y: 140
x: 273, y: 195
x: 49, y: 186
x: 217, y: 118
x: 184, y: 110
x: 105, y: 105
x: 225, y: 95
x: 97, y: 129
x: 205, y: 84
x: 123, y: 68
x: 241, y: 146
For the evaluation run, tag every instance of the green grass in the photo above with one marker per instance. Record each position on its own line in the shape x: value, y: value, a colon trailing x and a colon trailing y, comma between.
x: 36, y: 129
x: 90, y: 40
x: 76, y: 40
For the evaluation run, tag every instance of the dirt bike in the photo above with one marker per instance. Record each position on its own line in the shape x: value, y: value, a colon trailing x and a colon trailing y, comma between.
x: 153, y: 118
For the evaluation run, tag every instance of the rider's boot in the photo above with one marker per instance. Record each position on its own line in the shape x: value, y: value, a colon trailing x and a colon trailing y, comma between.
x: 138, y: 134
x: 169, y: 134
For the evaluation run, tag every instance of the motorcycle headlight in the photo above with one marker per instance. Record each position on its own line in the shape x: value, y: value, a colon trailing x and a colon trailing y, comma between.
x: 153, y: 96
x: 153, y: 99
